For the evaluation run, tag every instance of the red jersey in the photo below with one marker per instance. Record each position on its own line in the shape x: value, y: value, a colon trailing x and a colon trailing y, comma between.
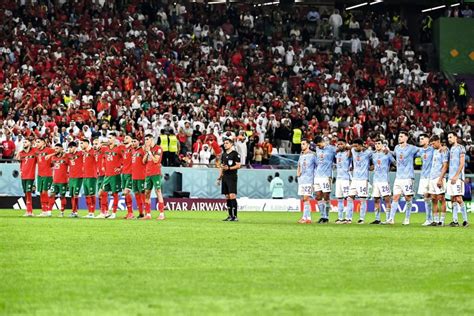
x: 28, y: 164
x: 138, y: 167
x: 76, y: 165
x: 99, y: 158
x: 89, y: 164
x: 127, y: 160
x: 154, y: 169
x: 44, y: 166
x: 60, y: 166
x: 113, y: 161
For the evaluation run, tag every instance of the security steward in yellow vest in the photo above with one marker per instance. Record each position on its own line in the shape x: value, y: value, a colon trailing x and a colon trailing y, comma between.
x: 163, y: 141
x: 173, y: 147
x: 296, y: 137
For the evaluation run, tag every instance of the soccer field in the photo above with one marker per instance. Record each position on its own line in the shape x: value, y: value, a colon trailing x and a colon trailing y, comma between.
x: 193, y: 263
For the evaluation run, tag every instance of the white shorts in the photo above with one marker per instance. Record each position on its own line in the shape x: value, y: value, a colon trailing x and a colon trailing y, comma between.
x: 322, y: 184
x: 455, y: 189
x: 305, y: 189
x: 434, y: 189
x: 359, y: 188
x: 381, y: 189
x: 423, y: 186
x: 342, y: 188
x: 403, y: 186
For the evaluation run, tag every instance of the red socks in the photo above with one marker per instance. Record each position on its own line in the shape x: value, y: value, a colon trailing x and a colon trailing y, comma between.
x: 103, y: 202
x: 139, y: 198
x: 73, y: 205
x: 115, y: 204
x: 63, y: 204
x: 92, y: 204
x: 44, y: 201
x: 161, y: 207
x: 51, y: 200
x: 128, y: 202
x: 147, y: 207
x: 29, y: 202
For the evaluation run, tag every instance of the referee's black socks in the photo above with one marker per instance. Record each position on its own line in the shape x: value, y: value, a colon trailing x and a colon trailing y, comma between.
x: 229, y: 207
x: 234, y: 207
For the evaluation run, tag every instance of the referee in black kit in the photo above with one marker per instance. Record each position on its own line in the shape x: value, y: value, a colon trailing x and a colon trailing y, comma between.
x: 229, y: 164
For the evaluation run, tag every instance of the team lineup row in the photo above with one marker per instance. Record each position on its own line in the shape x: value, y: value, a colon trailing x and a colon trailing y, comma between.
x: 99, y: 168
x: 353, y: 164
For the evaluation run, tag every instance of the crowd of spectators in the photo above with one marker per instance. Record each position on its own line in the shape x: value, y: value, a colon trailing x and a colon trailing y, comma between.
x: 81, y: 69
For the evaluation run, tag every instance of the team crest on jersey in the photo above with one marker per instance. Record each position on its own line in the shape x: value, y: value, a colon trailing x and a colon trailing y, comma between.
x: 230, y: 162
x: 379, y: 162
x: 401, y: 156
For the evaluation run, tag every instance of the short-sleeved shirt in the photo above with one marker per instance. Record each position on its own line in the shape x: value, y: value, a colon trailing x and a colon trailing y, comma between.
x: 307, y: 165
x: 382, y: 162
x: 44, y: 165
x: 230, y: 159
x: 113, y: 160
x: 76, y: 165
x: 28, y: 164
x: 343, y: 165
x: 324, y: 161
x: 426, y: 155
x: 405, y: 156
x: 138, y: 167
x: 154, y: 168
x: 455, y: 154
x: 361, y: 162
x: 127, y: 160
x: 90, y: 164
x: 60, y: 169
x: 439, y: 159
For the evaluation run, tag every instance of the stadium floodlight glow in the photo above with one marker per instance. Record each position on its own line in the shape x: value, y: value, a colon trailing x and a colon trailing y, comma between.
x: 433, y: 8
x: 357, y: 6
x: 376, y: 2
x: 456, y: 4
x: 270, y: 3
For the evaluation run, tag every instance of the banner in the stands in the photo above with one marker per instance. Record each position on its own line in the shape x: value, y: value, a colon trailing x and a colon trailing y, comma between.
x: 191, y: 204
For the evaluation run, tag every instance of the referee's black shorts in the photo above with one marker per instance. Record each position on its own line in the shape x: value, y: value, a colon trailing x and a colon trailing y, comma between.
x: 229, y: 185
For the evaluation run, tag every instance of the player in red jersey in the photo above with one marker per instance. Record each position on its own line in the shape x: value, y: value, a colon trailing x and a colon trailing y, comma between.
x: 76, y: 164
x: 45, y: 175
x: 127, y: 174
x: 27, y: 158
x: 138, y: 175
x: 113, y: 168
x: 152, y: 158
x: 89, y: 175
x: 60, y: 163
x: 100, y: 165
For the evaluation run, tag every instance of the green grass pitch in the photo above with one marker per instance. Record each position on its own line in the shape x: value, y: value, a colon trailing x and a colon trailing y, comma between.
x: 266, y: 264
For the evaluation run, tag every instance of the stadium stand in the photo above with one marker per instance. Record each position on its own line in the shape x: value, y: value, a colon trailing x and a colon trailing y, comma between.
x: 200, y: 73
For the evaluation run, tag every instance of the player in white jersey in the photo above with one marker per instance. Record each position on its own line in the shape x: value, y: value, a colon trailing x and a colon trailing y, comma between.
x: 305, y: 174
x: 381, y: 160
x: 343, y: 178
x: 457, y: 155
x: 425, y: 152
x: 437, y: 183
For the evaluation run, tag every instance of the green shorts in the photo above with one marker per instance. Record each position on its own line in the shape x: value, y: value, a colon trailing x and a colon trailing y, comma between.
x: 153, y: 182
x: 43, y: 183
x: 75, y: 185
x: 138, y: 186
x: 112, y: 184
x: 126, y: 181
x: 27, y: 185
x: 59, y: 188
x: 90, y: 186
x: 100, y: 182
